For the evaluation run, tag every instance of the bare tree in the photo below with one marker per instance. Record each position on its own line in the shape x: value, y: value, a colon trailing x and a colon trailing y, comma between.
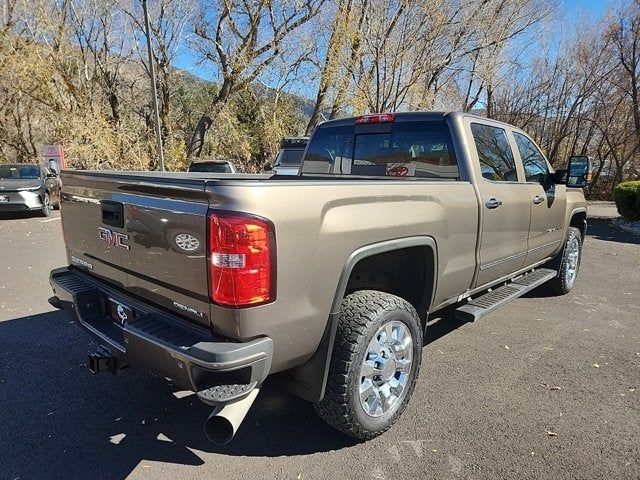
x: 329, y: 68
x: 242, y: 40
x: 624, y: 32
x: 169, y: 22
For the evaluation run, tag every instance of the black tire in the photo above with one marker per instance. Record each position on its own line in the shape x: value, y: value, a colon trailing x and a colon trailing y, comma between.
x: 46, y: 206
x: 362, y: 314
x: 561, y: 284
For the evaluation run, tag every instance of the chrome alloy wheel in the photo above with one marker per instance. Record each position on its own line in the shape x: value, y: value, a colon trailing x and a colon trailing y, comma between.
x: 384, y: 373
x: 572, y: 259
x: 187, y: 242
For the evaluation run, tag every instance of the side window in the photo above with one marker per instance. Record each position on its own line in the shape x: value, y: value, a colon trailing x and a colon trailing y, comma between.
x: 328, y: 148
x: 495, y: 155
x: 535, y: 166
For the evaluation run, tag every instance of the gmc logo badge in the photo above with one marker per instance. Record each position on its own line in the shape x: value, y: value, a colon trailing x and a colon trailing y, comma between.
x: 115, y: 239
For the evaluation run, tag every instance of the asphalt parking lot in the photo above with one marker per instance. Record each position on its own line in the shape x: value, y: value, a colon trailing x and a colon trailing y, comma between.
x: 546, y: 387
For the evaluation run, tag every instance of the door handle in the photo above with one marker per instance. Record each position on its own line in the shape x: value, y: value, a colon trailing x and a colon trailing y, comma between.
x: 493, y: 203
x: 538, y: 199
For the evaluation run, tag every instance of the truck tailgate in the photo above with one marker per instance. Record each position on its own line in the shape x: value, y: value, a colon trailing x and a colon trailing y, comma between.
x: 141, y: 232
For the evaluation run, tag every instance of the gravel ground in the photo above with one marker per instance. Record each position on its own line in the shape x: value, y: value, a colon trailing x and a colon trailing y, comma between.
x: 546, y: 387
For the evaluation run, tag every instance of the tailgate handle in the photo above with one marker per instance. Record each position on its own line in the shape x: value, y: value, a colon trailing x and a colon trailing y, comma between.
x: 112, y: 213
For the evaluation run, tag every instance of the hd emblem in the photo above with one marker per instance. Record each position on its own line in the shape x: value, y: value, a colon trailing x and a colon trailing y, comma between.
x: 115, y: 239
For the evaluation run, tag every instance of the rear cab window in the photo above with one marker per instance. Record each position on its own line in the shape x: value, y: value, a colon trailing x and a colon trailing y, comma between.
x: 415, y: 149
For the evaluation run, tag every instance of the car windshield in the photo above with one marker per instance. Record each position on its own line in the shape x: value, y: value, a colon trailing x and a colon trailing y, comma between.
x: 210, y: 167
x: 19, y: 172
x: 289, y: 158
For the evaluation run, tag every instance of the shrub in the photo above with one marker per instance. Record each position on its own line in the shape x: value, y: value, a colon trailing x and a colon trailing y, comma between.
x: 627, y: 197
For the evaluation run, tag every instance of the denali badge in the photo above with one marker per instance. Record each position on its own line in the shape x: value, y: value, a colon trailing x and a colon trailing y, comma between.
x: 115, y: 239
x: 190, y: 310
x: 78, y: 261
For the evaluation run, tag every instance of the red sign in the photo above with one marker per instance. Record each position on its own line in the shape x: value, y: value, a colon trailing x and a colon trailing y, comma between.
x: 54, y: 157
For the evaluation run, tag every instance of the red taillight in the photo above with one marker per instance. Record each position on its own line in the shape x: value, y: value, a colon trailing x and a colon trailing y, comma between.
x: 241, y: 259
x: 376, y: 118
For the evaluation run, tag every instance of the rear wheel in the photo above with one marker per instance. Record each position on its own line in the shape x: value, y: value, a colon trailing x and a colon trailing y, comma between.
x: 567, y: 263
x: 374, y: 366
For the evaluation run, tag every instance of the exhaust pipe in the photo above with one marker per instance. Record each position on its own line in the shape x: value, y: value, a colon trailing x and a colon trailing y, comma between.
x: 224, y: 422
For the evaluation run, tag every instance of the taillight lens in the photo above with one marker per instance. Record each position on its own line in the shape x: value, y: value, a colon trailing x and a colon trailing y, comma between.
x: 242, y: 259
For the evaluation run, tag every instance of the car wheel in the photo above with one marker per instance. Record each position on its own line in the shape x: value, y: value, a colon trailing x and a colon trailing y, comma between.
x: 46, y: 206
x: 567, y: 263
x: 374, y: 366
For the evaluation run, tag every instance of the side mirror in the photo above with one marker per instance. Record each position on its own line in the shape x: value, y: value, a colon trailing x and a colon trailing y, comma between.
x: 267, y: 167
x: 579, y: 171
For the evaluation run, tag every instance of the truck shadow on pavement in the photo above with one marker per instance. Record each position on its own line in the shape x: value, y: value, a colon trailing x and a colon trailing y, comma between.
x: 59, y: 421
x: 601, y: 229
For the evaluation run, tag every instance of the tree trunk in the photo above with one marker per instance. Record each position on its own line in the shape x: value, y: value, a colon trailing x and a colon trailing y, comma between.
x: 331, y: 60
x: 490, y: 107
x: 196, y: 143
x: 343, y: 86
x: 194, y: 149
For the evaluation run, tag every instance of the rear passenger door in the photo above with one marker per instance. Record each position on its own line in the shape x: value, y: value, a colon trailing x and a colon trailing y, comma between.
x: 505, y: 204
x: 548, y: 201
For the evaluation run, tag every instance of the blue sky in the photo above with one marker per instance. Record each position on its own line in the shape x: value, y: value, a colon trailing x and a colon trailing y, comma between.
x: 573, y: 10
x: 594, y: 7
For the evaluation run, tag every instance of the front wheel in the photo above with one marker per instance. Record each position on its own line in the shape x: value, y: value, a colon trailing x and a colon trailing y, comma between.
x: 374, y: 366
x: 46, y: 206
x: 568, y: 263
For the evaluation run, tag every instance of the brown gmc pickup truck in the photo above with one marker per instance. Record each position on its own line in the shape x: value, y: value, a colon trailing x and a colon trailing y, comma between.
x: 328, y: 277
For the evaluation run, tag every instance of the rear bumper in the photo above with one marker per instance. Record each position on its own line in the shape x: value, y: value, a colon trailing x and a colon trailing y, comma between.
x: 218, y: 370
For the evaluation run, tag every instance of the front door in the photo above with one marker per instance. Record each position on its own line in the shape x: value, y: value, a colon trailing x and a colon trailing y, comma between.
x: 548, y: 202
x: 505, y: 205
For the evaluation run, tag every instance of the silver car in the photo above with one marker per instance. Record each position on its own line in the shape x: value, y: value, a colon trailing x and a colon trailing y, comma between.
x: 28, y: 187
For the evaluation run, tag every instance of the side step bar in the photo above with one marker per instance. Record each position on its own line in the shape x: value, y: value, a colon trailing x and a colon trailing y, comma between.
x: 490, y: 301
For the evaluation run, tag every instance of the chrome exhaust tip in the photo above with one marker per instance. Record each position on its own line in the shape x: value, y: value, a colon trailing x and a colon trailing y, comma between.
x: 224, y: 422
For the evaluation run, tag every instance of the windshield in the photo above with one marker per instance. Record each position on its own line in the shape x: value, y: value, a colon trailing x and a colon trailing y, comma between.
x: 19, y: 172
x: 210, y: 167
x: 289, y: 158
x: 401, y: 149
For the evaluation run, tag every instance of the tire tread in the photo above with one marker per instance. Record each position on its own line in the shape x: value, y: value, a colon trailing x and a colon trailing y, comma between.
x: 358, y: 313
